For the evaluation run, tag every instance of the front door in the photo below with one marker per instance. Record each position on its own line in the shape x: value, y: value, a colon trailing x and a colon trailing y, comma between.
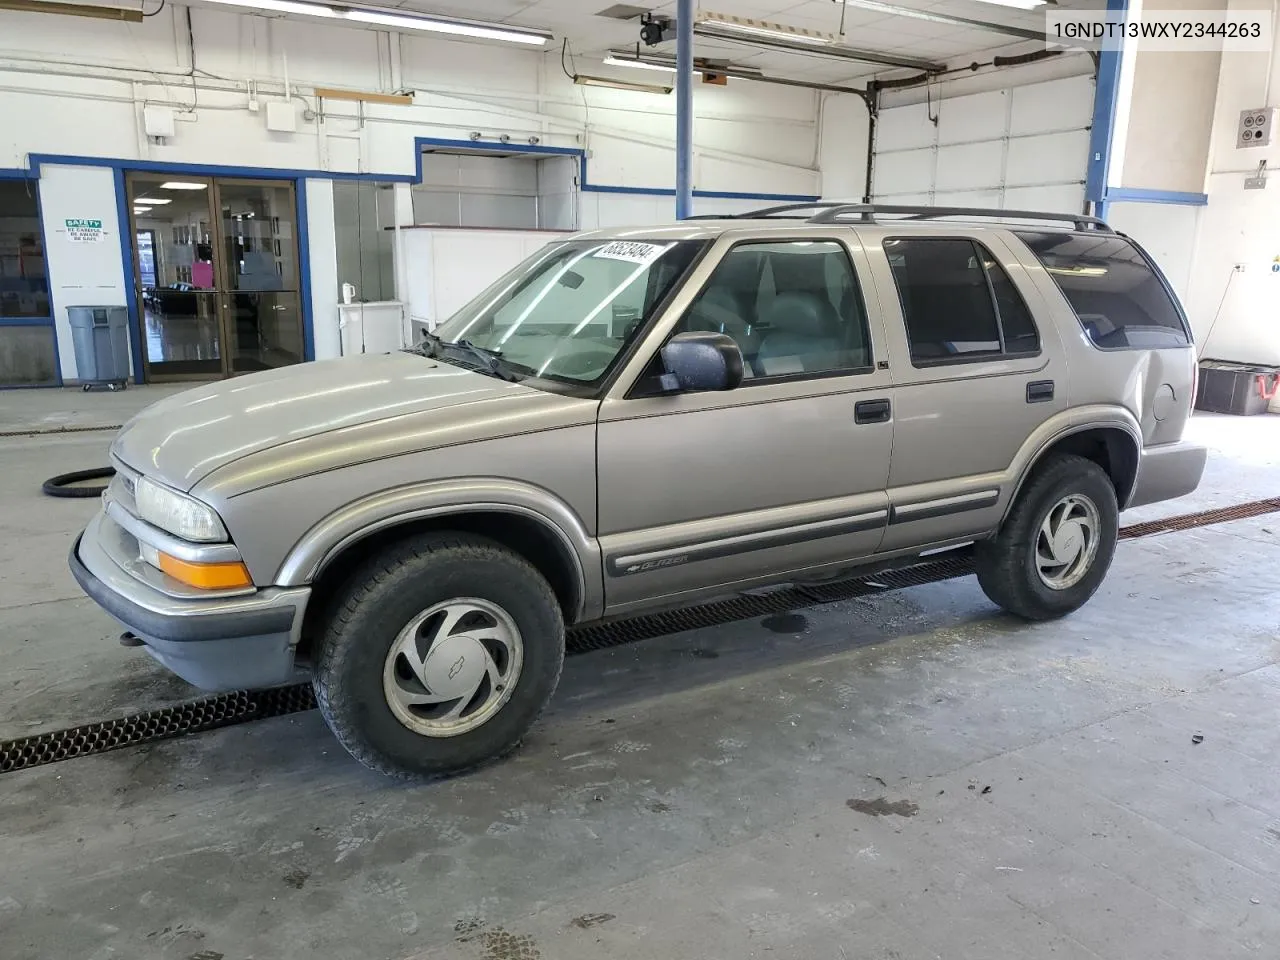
x: 785, y: 474
x: 216, y: 267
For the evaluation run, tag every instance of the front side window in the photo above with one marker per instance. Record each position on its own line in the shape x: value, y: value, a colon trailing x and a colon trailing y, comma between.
x: 1120, y: 300
x: 794, y: 308
x: 958, y: 302
x: 567, y: 313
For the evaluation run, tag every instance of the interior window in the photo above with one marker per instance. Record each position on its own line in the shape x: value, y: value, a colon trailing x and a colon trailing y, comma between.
x: 794, y: 308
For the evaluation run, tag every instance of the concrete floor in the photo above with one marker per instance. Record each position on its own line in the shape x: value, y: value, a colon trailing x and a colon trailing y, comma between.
x: 911, y: 775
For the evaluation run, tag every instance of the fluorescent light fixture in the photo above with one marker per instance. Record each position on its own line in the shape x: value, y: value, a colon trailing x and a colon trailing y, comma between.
x: 151, y: 201
x: 619, y: 58
x: 141, y: 209
x: 475, y: 29
x: 284, y: 6
x: 183, y: 185
x: 588, y: 81
x: 763, y: 28
x: 1017, y: 4
x: 612, y: 60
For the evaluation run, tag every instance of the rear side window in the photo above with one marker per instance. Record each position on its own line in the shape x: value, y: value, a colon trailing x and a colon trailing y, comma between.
x: 958, y: 303
x: 1120, y: 300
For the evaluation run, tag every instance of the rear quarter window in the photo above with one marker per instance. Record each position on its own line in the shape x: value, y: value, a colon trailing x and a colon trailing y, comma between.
x: 1121, y: 300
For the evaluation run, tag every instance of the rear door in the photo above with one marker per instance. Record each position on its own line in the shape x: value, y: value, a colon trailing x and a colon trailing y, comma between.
x: 786, y: 473
x: 973, y: 373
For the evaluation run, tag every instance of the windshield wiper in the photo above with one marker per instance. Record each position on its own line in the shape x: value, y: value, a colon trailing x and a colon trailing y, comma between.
x: 490, y: 360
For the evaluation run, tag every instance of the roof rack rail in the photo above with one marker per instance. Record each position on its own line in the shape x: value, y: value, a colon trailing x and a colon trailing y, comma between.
x: 866, y: 212
x: 787, y: 208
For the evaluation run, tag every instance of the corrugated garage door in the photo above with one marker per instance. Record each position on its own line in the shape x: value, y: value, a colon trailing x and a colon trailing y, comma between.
x: 1022, y: 147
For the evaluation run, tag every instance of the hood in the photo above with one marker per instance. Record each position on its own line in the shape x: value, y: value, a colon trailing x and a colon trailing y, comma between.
x: 183, y: 438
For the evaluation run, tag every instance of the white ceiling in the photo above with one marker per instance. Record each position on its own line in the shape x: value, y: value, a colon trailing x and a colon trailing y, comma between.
x: 590, y: 35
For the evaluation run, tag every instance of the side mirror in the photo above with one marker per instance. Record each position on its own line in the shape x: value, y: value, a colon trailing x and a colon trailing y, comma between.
x: 701, y: 361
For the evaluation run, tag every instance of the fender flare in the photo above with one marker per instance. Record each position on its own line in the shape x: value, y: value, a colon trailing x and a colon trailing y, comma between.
x: 1057, y: 428
x: 342, y: 528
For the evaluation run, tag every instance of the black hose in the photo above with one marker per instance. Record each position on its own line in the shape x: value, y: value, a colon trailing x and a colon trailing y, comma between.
x: 61, y: 485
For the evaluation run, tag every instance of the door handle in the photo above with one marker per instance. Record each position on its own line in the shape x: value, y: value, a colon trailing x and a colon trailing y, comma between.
x: 871, y: 411
x: 1039, y: 391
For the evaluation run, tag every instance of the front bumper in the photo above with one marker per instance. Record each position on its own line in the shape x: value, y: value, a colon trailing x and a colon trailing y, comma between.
x: 1168, y: 471
x: 215, y: 643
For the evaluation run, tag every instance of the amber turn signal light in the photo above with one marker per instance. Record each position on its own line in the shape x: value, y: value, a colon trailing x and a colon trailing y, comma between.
x: 206, y: 576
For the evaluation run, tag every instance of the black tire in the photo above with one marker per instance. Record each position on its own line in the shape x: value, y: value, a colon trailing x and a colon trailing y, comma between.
x: 60, y: 486
x: 380, y: 599
x: 1006, y: 564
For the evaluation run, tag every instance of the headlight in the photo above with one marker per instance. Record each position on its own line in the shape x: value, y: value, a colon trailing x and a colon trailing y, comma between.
x: 178, y: 514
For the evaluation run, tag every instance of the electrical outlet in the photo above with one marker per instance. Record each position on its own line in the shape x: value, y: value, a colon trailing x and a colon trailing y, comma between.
x: 1256, y: 127
x: 1239, y: 268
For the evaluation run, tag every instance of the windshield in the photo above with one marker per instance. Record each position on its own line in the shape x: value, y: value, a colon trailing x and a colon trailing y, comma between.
x: 567, y: 312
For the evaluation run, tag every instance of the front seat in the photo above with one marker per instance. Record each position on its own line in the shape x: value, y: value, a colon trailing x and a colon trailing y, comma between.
x: 720, y: 311
x: 802, y: 336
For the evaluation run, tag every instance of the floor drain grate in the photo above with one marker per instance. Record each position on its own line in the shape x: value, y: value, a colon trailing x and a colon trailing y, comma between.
x: 1204, y: 518
x: 207, y: 714
x: 241, y: 706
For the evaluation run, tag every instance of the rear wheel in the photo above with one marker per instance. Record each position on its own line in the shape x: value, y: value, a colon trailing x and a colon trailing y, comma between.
x: 1057, y: 543
x: 439, y: 656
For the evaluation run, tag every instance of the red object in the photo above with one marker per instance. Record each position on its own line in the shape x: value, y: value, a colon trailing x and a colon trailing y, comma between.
x: 1265, y: 392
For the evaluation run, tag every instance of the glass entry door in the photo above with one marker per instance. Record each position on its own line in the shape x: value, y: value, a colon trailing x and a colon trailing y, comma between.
x: 258, y: 273
x: 216, y: 263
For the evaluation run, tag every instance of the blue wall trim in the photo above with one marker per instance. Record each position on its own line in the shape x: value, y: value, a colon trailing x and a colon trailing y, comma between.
x: 1140, y: 195
x: 209, y: 169
x: 279, y: 173
x: 16, y: 173
x: 27, y: 322
x: 1105, y: 96
x: 584, y: 182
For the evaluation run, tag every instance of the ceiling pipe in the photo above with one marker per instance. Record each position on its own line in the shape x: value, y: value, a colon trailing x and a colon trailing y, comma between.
x: 832, y: 51
x: 950, y: 19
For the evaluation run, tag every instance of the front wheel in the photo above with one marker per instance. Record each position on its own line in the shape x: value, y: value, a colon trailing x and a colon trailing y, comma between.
x: 439, y: 656
x: 1057, y: 543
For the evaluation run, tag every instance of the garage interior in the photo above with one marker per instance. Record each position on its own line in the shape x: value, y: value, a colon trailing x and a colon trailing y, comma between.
x: 886, y: 768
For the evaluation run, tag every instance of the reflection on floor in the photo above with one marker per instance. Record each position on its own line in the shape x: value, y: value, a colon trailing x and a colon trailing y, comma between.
x: 186, y: 343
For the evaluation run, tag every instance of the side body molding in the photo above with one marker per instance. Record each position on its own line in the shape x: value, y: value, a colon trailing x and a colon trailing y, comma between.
x: 329, y: 537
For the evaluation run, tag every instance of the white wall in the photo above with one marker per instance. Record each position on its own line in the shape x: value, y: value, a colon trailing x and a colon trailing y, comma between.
x: 1239, y: 226
x: 80, y: 273
x: 1166, y: 231
x: 1170, y: 113
x: 324, y: 270
x: 77, y: 87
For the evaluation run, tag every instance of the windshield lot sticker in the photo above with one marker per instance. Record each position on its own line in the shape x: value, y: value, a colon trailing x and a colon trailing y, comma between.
x: 630, y: 251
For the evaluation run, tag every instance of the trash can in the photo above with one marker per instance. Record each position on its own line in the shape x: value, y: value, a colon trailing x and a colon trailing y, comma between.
x: 101, y: 339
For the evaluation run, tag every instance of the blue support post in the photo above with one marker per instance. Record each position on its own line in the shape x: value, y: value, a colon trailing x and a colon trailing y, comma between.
x: 684, y: 109
x: 1105, y: 102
